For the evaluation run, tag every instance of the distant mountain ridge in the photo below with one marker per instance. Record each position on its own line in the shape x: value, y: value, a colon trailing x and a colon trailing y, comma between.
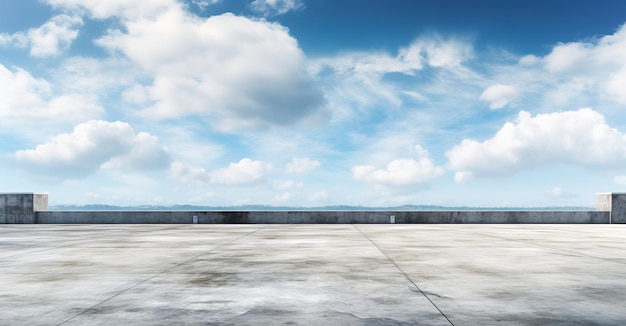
x: 102, y: 207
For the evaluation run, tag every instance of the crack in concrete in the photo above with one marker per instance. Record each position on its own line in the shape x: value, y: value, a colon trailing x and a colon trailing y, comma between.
x: 158, y: 274
x: 405, y: 275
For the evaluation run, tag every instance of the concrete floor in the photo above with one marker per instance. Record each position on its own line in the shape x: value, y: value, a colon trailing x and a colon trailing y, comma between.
x: 312, y: 274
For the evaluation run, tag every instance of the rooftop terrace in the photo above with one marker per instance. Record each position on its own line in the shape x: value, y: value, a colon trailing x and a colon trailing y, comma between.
x: 325, y: 274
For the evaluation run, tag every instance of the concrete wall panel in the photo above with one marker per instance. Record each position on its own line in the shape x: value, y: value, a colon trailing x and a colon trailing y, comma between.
x: 618, y: 208
x: 320, y: 217
x: 20, y: 208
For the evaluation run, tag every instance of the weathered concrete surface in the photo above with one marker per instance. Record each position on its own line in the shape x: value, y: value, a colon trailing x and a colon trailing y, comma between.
x: 312, y: 274
x: 20, y: 208
x: 615, y: 203
x: 321, y: 217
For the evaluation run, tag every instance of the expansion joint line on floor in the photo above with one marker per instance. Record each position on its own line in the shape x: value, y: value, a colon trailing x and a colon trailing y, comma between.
x: 160, y: 273
x: 73, y: 244
x: 405, y: 274
x: 573, y: 253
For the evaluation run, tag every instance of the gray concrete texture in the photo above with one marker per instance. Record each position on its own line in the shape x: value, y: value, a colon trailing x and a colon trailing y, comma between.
x: 320, y: 217
x: 615, y: 203
x: 32, y: 208
x: 21, y: 208
x: 312, y: 274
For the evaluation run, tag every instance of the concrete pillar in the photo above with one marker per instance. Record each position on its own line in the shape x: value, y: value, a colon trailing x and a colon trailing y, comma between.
x: 20, y: 208
x: 614, y: 203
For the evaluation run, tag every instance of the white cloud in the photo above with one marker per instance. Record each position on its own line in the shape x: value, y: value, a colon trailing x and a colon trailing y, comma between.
x: 235, y: 72
x: 19, y: 40
x: 186, y: 174
x: 97, y: 76
x: 204, y: 4
x: 400, y: 172
x: 54, y: 36
x: 357, y: 82
x: 49, y: 39
x: 438, y: 52
x: 24, y: 99
x: 529, y: 60
x: 245, y: 171
x: 115, y: 8
x: 284, y: 197
x: 566, y: 57
x: 301, y: 165
x: 290, y: 185
x: 275, y: 7
x: 499, y: 95
x: 616, y: 85
x: 600, y: 64
x: 145, y: 153
x: 433, y: 51
x: 92, y: 146
x: 579, y: 137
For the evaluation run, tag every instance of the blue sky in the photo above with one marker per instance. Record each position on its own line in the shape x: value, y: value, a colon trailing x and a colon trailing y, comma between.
x: 313, y: 103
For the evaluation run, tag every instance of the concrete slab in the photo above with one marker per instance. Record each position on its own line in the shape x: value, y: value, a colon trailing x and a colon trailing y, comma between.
x: 312, y: 274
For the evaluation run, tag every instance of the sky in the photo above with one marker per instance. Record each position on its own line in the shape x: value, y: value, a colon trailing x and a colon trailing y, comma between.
x: 313, y: 103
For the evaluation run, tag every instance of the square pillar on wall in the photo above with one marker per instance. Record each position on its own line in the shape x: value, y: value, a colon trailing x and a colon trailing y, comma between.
x: 614, y: 203
x: 20, y: 208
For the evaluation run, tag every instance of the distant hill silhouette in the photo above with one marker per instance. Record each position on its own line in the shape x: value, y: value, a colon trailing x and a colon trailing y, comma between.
x: 102, y: 207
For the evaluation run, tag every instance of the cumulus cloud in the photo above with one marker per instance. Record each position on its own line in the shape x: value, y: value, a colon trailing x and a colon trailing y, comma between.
x: 400, y: 172
x: 244, y: 172
x: 24, y: 99
x: 49, y: 39
x: 499, y: 95
x: 438, y: 52
x: 616, y: 84
x: 284, y: 197
x: 529, y: 60
x: 236, y: 72
x: 567, y: 57
x: 599, y: 63
x: 54, y: 36
x: 301, y: 165
x: 187, y: 174
x: 579, y: 137
x: 275, y: 7
x: 92, y: 146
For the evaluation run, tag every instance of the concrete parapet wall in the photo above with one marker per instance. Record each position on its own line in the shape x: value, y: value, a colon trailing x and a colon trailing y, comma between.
x: 321, y: 217
x: 603, y: 201
x: 32, y: 208
x: 20, y: 208
x: 615, y: 204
